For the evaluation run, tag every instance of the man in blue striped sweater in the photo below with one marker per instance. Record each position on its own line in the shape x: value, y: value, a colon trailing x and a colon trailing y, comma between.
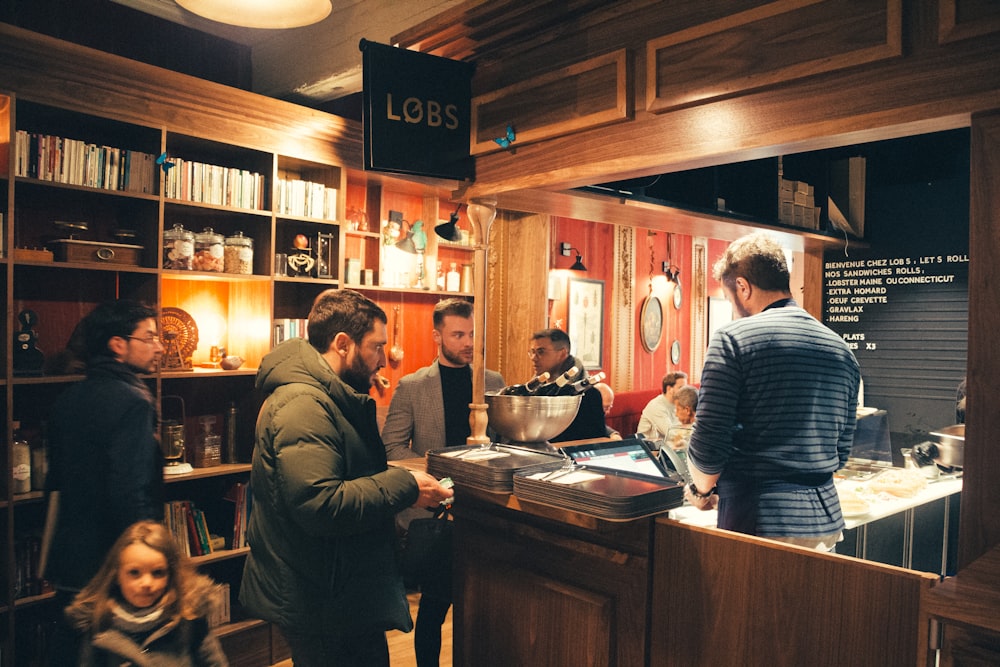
x: 777, y: 408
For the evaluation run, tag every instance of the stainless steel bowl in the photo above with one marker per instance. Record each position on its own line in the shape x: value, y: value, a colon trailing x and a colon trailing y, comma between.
x: 531, y: 418
x: 950, y: 446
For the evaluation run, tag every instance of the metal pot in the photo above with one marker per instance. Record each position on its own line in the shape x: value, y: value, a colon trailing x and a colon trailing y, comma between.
x: 949, y: 448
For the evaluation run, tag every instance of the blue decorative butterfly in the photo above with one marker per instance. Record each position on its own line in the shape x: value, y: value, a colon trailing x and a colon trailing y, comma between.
x: 164, y: 163
x: 506, y: 141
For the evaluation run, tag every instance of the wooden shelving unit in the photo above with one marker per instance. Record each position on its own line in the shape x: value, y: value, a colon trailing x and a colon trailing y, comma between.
x: 159, y: 113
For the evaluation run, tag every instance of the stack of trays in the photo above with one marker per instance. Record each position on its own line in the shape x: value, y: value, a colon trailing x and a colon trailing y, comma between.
x: 600, y: 493
x: 490, y: 469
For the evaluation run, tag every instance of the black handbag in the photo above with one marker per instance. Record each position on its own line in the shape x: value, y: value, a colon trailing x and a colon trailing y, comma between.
x: 427, y: 545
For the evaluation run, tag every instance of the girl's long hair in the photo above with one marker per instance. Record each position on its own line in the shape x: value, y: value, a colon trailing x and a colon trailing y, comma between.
x: 186, y: 593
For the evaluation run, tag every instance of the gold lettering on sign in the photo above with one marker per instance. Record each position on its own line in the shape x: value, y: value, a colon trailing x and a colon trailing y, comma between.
x: 414, y: 111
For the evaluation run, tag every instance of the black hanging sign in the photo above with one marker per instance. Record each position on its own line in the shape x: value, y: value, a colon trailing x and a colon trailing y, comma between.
x: 417, y: 110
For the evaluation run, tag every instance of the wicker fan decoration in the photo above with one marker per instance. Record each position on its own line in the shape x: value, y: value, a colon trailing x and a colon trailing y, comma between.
x: 180, y: 339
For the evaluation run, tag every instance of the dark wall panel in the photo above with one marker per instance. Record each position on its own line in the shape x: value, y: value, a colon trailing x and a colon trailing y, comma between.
x: 903, y: 302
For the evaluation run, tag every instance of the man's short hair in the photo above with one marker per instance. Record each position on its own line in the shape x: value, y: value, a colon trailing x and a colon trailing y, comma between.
x: 451, y: 307
x: 607, y: 394
x: 686, y: 396
x: 341, y: 310
x: 110, y: 319
x: 559, y: 338
x: 670, y: 379
x: 756, y: 257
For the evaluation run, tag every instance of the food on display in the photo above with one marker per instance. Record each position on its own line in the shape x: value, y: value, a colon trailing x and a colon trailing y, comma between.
x: 899, y: 482
x: 851, y: 504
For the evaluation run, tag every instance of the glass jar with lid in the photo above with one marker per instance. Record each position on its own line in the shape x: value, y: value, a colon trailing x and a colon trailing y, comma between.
x: 208, y: 252
x: 178, y: 248
x: 238, y: 254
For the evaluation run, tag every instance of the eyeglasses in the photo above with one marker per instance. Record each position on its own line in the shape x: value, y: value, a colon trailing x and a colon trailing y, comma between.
x: 152, y: 340
x: 539, y: 351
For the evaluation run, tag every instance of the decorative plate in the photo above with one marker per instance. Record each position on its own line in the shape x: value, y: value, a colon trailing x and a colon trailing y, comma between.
x: 675, y: 352
x: 651, y: 323
x: 678, y: 297
x: 180, y: 337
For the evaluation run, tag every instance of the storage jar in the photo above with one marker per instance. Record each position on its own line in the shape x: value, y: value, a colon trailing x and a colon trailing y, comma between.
x: 208, y: 252
x: 239, y: 254
x: 178, y: 248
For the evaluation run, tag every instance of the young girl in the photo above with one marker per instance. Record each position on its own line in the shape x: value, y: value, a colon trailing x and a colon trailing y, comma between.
x: 146, y: 606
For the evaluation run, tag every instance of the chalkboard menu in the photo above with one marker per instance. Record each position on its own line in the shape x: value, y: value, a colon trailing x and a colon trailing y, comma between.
x: 902, y: 302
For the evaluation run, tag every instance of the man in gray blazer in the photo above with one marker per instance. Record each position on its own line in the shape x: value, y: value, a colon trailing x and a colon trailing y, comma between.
x: 430, y: 407
x: 430, y: 410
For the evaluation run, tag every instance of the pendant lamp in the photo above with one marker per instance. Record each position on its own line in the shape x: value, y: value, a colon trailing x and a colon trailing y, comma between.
x: 260, y: 13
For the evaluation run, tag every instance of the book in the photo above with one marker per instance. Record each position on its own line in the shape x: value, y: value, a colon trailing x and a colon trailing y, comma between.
x: 237, y: 495
x: 200, y: 524
x: 193, y: 538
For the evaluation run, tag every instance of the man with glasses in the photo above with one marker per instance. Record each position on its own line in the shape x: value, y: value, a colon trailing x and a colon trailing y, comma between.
x: 105, y: 468
x: 549, y: 351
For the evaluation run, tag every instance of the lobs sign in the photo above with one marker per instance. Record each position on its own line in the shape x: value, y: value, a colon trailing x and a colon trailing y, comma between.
x: 416, y: 113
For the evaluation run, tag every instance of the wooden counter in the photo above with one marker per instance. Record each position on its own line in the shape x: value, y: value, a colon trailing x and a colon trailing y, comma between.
x: 540, y: 586
x: 537, y: 585
x: 968, y: 606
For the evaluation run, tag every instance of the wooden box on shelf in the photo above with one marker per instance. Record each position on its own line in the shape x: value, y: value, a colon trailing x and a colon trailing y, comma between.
x: 75, y: 250
x: 32, y: 254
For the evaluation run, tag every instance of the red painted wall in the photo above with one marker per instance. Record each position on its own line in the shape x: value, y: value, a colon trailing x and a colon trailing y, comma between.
x: 595, y: 243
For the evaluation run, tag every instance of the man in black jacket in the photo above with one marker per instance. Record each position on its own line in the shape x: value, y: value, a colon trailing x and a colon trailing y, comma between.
x: 550, y: 351
x: 105, y: 467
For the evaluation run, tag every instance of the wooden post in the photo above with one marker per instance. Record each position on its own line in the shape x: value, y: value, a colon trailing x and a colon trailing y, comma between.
x: 481, y: 215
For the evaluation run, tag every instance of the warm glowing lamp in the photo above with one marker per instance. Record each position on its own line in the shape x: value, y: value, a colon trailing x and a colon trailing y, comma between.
x: 261, y: 13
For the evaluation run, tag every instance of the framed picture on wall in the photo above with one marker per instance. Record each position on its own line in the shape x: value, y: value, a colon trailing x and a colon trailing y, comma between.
x: 651, y: 323
x: 586, y: 320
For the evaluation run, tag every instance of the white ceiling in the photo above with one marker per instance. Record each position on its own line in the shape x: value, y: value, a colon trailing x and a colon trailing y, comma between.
x: 320, y: 62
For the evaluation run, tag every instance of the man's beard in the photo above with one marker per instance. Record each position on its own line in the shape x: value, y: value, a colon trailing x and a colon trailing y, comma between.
x: 357, y: 375
x: 455, y: 359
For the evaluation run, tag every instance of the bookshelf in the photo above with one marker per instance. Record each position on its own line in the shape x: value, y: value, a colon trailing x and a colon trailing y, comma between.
x: 281, y: 175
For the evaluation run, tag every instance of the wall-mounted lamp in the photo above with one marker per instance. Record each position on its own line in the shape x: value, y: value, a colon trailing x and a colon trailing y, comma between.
x: 449, y: 230
x: 564, y: 250
x: 261, y: 13
x: 406, y: 244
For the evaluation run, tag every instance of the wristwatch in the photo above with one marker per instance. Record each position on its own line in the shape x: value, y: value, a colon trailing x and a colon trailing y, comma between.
x: 697, y: 494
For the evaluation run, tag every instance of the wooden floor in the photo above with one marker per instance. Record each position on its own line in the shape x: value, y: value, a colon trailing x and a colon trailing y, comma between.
x: 401, y: 643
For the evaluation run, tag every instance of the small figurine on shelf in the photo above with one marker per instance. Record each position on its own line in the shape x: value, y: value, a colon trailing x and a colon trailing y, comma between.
x: 392, y: 228
x: 300, y: 260
x: 359, y: 220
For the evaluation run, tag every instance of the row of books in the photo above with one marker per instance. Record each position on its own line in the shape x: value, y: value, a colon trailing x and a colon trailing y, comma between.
x: 239, y: 495
x: 288, y: 327
x: 75, y: 162
x: 306, y: 199
x: 187, y: 524
x: 213, y: 184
